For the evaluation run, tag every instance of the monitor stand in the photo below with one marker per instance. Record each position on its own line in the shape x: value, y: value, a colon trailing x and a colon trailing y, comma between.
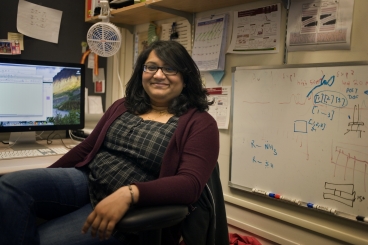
x: 24, y: 141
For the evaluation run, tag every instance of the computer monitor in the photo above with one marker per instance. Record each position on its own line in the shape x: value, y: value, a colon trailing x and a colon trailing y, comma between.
x: 40, y: 96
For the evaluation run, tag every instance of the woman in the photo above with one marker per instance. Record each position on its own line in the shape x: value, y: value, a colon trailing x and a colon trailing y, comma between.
x: 156, y: 146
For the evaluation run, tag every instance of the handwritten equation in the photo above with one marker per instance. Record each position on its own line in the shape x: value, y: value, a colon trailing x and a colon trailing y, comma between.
x: 266, y: 147
x: 38, y: 18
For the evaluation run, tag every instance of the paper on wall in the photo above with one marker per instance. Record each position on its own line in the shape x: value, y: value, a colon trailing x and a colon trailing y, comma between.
x: 16, y: 36
x: 210, y: 42
x: 220, y: 110
x: 319, y: 25
x: 184, y: 33
x: 256, y: 31
x: 99, y: 81
x: 38, y: 22
x: 86, y: 108
x: 95, y: 104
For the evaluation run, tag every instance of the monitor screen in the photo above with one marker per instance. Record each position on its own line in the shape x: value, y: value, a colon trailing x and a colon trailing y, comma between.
x: 41, y: 95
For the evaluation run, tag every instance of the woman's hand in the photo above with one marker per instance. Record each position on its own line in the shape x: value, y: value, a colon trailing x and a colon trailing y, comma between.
x: 108, y: 212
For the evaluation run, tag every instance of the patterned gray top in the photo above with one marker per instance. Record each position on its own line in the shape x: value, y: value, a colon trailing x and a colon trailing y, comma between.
x: 132, y: 152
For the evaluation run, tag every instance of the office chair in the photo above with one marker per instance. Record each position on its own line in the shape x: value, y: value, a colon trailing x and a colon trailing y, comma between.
x: 149, y: 221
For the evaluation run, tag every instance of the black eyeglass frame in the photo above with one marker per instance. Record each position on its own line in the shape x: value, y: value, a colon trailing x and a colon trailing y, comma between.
x: 162, y: 69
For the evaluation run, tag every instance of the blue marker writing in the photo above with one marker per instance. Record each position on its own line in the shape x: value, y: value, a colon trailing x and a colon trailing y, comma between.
x: 329, y: 83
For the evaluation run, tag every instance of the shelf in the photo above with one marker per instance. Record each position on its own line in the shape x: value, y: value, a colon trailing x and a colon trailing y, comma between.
x: 196, y: 6
x: 135, y: 14
x: 138, y: 14
x: 154, y: 10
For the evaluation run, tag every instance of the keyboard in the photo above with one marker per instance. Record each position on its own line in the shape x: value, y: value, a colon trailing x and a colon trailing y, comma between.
x: 33, y: 152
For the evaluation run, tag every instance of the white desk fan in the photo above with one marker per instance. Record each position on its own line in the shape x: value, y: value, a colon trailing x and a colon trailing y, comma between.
x: 104, y: 38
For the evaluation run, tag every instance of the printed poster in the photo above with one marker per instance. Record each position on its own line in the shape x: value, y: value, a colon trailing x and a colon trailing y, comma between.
x: 256, y: 30
x: 320, y: 25
x: 220, y: 110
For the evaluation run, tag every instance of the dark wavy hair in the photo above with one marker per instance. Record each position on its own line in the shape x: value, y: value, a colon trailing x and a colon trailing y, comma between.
x: 194, y: 95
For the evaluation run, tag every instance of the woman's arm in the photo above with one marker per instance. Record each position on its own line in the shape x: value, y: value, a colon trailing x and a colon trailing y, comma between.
x: 109, y: 211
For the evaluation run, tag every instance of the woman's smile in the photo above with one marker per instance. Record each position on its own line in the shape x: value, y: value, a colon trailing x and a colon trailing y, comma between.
x: 161, y: 88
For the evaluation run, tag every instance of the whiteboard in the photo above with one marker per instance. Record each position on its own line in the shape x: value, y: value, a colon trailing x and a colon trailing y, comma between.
x: 301, y: 132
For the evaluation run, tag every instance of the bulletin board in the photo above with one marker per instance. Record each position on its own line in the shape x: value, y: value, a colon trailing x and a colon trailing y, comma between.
x: 301, y: 131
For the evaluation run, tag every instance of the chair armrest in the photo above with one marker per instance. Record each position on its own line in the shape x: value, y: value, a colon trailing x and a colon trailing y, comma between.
x: 155, y: 217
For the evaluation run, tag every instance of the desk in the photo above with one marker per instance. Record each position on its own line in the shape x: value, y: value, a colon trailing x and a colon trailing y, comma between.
x: 11, y: 165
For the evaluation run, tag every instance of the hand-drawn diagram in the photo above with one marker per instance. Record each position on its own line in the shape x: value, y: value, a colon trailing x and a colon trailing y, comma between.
x: 354, y: 164
x: 356, y: 123
x: 343, y: 193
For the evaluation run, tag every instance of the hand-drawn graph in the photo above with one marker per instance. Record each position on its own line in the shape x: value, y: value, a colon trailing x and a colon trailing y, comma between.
x: 350, y: 164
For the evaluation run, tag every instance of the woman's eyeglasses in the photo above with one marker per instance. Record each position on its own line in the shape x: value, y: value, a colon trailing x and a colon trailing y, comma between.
x: 165, y: 69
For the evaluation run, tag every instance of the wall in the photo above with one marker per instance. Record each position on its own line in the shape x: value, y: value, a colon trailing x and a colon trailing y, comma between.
x: 271, y: 221
x: 279, y: 222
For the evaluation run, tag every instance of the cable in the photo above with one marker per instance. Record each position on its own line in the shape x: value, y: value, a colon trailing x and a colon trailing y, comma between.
x: 49, y: 142
x: 13, y: 143
x: 39, y: 135
x: 118, y: 73
x: 72, y: 136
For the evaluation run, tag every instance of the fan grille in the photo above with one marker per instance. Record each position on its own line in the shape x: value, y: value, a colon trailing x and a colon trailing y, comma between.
x: 104, y: 39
